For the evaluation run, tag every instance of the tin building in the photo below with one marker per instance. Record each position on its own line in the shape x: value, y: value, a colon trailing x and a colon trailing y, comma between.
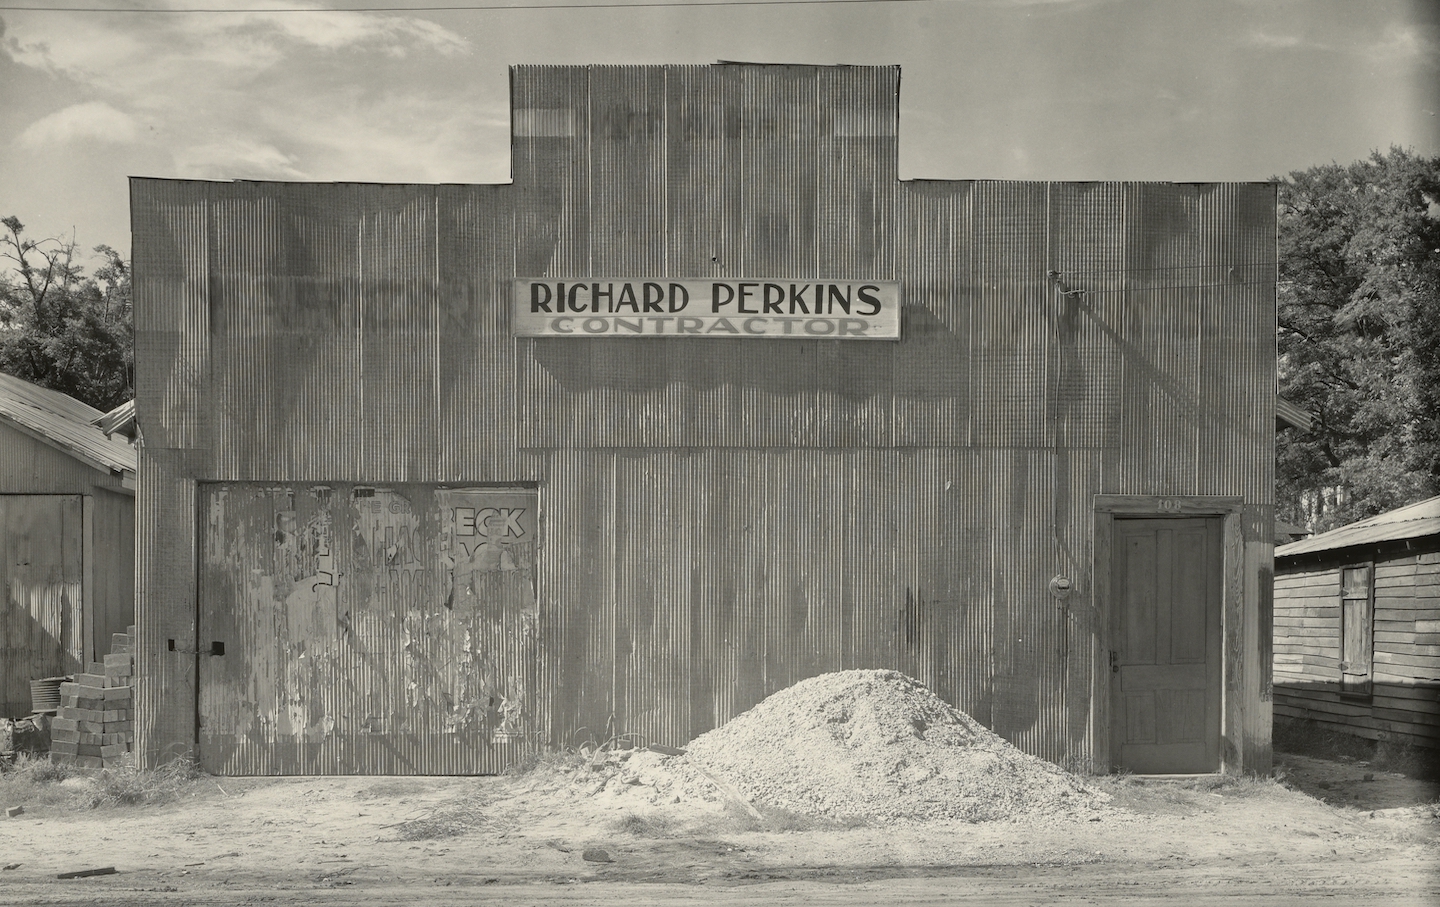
x: 67, y: 522
x: 704, y: 402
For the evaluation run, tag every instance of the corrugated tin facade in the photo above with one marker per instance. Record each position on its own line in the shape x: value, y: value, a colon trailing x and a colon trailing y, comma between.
x: 720, y: 518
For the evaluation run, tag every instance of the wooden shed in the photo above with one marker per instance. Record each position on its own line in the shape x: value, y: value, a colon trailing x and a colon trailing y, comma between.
x: 1357, y: 627
x: 67, y: 510
x: 705, y: 402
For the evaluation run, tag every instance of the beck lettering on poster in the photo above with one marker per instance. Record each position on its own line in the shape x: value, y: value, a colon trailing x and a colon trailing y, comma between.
x: 818, y: 309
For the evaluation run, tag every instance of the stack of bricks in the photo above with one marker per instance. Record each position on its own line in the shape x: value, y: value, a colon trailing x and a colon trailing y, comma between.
x: 95, y: 725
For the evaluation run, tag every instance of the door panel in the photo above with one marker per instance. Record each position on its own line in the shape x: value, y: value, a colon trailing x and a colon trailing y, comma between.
x: 1165, y: 689
x: 351, y: 630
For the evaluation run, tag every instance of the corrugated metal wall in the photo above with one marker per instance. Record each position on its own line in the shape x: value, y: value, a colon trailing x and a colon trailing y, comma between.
x: 41, y: 579
x: 725, y: 517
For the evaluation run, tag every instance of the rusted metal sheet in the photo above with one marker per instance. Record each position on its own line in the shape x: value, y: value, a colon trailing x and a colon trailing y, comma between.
x: 356, y: 630
x: 41, y: 624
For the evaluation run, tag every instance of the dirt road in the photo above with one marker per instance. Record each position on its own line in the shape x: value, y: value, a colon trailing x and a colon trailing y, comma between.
x: 523, y: 840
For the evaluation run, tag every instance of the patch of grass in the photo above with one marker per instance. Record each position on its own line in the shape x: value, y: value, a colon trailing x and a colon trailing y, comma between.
x: 129, y: 785
x: 36, y: 781
x: 645, y: 826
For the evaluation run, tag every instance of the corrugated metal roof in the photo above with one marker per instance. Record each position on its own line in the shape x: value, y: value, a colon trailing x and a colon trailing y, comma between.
x: 1288, y: 414
x: 1408, y: 522
x: 120, y: 420
x: 64, y: 422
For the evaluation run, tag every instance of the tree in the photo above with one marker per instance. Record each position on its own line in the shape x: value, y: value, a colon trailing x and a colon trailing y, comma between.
x: 60, y: 329
x: 1359, y: 337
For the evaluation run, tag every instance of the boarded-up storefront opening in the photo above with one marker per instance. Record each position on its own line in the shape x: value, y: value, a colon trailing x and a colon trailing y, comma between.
x: 349, y: 629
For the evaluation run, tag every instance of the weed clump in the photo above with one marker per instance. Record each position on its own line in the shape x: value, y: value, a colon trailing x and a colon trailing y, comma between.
x: 129, y: 785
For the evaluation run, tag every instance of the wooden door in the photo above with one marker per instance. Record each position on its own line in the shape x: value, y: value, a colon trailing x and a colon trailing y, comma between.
x: 1165, y: 637
x: 355, y: 630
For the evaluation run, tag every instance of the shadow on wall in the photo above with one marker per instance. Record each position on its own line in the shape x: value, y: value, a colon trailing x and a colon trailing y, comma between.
x: 1391, y: 712
x: 29, y: 650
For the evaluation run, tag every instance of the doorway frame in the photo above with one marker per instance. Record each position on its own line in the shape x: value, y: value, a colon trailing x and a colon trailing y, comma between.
x: 1232, y: 595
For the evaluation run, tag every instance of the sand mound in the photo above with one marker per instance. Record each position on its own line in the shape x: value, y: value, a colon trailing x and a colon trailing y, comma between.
x: 879, y: 745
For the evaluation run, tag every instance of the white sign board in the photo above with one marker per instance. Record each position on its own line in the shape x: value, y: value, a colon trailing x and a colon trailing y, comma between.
x: 820, y: 309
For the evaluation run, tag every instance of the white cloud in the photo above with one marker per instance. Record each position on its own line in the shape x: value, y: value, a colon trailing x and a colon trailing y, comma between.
x: 1403, y: 43
x: 236, y: 158
x: 264, y: 95
x: 90, y: 121
x: 133, y: 54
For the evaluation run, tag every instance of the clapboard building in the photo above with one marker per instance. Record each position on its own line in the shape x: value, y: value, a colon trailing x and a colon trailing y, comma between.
x: 1357, y: 627
x: 704, y: 402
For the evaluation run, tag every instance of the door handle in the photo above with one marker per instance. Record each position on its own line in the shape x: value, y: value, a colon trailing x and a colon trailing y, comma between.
x: 1114, y: 662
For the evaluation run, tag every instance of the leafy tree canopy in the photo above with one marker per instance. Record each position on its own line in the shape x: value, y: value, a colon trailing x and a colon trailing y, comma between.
x: 1359, y: 337
x: 61, y: 329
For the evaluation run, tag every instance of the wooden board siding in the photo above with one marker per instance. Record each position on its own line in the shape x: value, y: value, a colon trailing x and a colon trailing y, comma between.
x: 724, y: 518
x: 1405, y: 704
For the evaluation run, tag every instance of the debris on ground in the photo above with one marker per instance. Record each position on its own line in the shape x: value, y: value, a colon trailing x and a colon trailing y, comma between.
x: 87, y: 873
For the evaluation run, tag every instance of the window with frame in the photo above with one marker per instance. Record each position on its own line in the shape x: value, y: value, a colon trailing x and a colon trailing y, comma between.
x: 1357, y: 646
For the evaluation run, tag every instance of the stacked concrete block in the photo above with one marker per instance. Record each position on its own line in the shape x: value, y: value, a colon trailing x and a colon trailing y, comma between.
x: 95, y: 726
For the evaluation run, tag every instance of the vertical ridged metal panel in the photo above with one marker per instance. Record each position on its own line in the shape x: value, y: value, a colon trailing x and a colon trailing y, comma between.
x: 165, y: 597
x: 577, y: 596
x: 169, y: 225
x: 1086, y: 315
x: 284, y: 295
x: 932, y: 370
x: 685, y: 586
x: 399, y: 334
x: 1007, y: 322
x: 1161, y: 378
x: 476, y: 348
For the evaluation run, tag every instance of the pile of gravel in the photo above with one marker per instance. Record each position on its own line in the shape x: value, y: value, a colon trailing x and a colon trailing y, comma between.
x: 878, y: 745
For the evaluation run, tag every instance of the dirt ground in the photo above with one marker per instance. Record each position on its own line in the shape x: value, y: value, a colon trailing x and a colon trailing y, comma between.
x: 523, y: 840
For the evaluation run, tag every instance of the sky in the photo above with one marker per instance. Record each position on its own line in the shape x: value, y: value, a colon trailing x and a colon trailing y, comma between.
x: 385, y: 91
